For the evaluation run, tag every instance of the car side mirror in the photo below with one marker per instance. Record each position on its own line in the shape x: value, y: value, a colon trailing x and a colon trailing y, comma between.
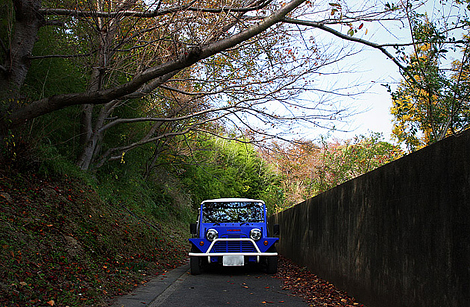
x: 193, y: 228
x: 276, y: 230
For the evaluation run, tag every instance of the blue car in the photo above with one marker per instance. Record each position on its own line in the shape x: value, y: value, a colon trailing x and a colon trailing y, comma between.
x: 232, y: 232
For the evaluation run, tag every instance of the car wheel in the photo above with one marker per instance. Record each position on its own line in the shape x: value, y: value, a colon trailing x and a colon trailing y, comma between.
x: 271, y: 265
x: 195, y: 265
x: 271, y: 262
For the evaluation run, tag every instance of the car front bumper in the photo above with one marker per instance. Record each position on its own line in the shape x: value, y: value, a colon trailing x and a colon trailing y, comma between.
x: 214, y: 249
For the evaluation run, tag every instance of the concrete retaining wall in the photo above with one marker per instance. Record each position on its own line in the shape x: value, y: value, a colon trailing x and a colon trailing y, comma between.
x: 397, y: 236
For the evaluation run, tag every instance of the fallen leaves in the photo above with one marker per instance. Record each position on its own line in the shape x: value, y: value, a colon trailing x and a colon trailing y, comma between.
x: 314, y: 290
x: 62, y: 246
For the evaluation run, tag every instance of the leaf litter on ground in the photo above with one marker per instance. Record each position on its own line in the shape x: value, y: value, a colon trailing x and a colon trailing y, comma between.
x: 311, y: 288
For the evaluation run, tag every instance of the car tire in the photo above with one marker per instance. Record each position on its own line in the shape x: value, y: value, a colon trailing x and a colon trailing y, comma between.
x: 195, y: 265
x: 271, y: 261
x: 271, y: 267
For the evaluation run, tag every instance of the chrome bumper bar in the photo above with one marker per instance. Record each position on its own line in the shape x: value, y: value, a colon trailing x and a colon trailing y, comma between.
x: 210, y: 254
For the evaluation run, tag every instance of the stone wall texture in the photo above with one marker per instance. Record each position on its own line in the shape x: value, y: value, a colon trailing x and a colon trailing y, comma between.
x: 397, y: 236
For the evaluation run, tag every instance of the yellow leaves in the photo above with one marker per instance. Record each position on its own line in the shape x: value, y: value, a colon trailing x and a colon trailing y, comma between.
x: 406, y: 117
x: 425, y: 47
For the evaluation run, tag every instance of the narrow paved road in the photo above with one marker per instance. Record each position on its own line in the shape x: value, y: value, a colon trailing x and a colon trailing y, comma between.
x: 217, y: 287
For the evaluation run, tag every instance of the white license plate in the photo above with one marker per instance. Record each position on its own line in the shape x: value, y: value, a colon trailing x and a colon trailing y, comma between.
x: 233, y: 261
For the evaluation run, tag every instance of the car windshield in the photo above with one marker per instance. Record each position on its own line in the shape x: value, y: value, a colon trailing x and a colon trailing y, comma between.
x: 233, y: 212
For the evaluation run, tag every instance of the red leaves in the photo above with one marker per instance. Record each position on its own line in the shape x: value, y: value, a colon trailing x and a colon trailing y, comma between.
x: 310, y: 287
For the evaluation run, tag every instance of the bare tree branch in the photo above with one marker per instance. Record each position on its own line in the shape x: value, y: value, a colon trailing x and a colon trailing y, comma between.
x: 345, y: 37
x: 59, y: 56
x: 225, y: 9
x: 47, y: 105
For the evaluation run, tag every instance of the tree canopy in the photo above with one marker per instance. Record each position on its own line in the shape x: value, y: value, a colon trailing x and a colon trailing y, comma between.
x: 308, y: 169
x: 432, y: 100
x: 164, y: 68
x: 99, y: 80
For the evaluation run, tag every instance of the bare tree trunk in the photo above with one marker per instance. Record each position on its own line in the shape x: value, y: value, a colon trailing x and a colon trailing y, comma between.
x: 87, y: 140
x: 91, y: 133
x: 17, y: 62
x: 94, y: 139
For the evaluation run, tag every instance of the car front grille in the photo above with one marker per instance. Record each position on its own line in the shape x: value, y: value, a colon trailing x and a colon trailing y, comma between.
x: 233, y: 247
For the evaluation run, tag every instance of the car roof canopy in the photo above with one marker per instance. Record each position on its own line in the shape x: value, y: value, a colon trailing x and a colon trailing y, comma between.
x: 233, y: 200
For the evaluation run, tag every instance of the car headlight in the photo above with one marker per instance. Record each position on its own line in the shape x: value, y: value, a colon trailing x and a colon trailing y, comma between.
x: 212, y: 234
x: 255, y: 234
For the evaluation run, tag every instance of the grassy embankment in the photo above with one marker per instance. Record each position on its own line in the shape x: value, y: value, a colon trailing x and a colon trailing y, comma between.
x: 62, y: 245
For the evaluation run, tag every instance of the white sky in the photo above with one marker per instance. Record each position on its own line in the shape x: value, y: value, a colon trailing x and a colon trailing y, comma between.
x: 376, y: 103
x: 372, y: 68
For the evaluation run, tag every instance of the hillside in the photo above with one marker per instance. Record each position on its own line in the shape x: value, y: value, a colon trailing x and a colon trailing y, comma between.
x: 61, y: 245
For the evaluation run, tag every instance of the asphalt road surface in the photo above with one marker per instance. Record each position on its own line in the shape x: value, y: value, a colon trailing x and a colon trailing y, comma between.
x: 221, y: 286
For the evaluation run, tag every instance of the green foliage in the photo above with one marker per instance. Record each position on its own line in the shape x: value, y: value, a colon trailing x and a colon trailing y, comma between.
x: 122, y: 182
x: 53, y: 164
x: 50, y: 76
x: 230, y: 169
x: 54, y: 75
